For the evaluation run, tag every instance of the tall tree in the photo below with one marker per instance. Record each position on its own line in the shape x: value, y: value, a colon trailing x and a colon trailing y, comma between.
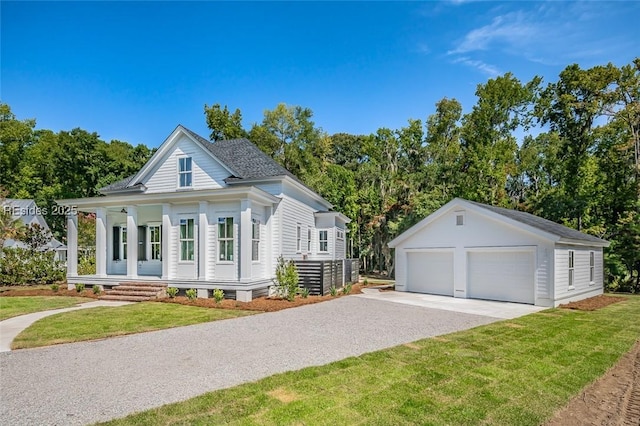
x: 224, y: 124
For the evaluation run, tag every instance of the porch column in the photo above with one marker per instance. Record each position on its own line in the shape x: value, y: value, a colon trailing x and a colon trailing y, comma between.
x: 166, y: 239
x: 203, y: 241
x: 132, y: 242
x: 101, y: 242
x: 72, y: 245
x: 245, y: 240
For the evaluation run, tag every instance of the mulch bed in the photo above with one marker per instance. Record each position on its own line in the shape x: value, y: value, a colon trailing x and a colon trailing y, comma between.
x: 262, y: 304
x: 25, y: 291
x: 593, y: 303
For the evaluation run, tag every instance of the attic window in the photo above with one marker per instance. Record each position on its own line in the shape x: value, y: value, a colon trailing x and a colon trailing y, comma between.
x: 459, y: 218
x: 184, y: 172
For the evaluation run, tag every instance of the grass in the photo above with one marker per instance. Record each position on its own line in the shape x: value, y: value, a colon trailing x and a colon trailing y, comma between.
x: 14, y: 306
x: 516, y: 372
x: 103, y: 322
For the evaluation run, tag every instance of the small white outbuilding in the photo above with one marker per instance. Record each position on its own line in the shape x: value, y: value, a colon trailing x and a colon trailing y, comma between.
x: 472, y: 250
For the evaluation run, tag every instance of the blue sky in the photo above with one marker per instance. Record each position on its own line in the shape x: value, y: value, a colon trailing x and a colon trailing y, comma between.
x: 134, y: 70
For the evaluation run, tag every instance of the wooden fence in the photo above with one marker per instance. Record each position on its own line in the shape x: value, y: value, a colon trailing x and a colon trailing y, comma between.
x: 320, y: 275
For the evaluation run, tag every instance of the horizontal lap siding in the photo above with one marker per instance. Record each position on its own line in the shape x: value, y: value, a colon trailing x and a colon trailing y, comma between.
x: 581, y: 270
x: 293, y: 213
x: 207, y: 172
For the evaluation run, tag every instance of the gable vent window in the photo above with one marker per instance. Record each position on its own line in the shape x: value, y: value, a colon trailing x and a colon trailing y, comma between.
x: 184, y: 172
x: 459, y: 219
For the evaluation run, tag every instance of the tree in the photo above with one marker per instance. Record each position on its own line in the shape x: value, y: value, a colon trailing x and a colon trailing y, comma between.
x: 223, y: 124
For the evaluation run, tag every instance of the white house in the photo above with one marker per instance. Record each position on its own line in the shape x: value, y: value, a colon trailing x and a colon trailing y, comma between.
x: 206, y: 215
x: 28, y: 212
x: 472, y: 250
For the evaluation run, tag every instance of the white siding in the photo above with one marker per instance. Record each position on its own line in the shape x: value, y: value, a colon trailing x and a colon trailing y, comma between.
x: 581, y: 267
x: 477, y: 231
x: 292, y: 213
x: 207, y: 172
x: 226, y: 270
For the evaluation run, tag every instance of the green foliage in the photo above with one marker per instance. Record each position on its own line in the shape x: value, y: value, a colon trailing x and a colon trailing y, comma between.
x: 96, y: 289
x: 286, y: 280
x: 191, y: 293
x: 55, y: 287
x: 333, y: 291
x: 347, y: 288
x: 87, y: 265
x: 80, y: 287
x: 223, y: 124
x: 21, y: 266
x: 172, y: 292
x: 218, y: 295
x: 366, y: 281
x: 304, y: 292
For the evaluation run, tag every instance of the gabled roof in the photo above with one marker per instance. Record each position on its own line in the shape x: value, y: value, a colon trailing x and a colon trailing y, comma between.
x: 543, y: 227
x: 241, y: 157
x: 564, y: 232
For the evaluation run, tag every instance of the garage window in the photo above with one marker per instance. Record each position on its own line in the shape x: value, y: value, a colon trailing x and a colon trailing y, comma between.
x: 592, y: 264
x: 571, y: 254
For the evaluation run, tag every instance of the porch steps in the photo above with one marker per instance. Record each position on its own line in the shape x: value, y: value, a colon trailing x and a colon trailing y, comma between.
x: 132, y: 291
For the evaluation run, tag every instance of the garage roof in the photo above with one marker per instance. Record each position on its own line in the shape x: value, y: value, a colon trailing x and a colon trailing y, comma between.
x: 544, y: 227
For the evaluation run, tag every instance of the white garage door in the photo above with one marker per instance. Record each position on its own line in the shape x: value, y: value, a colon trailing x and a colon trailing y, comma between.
x: 430, y: 272
x: 501, y: 275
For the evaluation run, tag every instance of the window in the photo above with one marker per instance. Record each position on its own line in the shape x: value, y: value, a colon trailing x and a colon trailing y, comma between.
x: 570, y: 268
x: 184, y: 172
x: 459, y: 220
x: 123, y: 242
x: 155, y: 245
x: 323, y: 241
x: 298, y: 238
x: 225, y: 239
x: 255, y: 240
x: 340, y: 234
x: 592, y: 264
x: 309, y: 240
x: 187, y: 245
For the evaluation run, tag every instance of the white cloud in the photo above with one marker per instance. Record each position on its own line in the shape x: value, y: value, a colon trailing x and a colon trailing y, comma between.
x: 485, y: 68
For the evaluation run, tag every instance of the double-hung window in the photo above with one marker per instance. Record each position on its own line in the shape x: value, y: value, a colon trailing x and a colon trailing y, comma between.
x: 225, y: 239
x: 187, y: 246
x: 309, y: 240
x: 255, y: 239
x: 323, y: 241
x: 592, y: 265
x: 298, y: 238
x: 184, y: 172
x: 571, y: 263
x: 155, y: 244
x: 123, y: 242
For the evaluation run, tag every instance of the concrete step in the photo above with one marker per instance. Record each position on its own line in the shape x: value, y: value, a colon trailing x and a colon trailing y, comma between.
x: 125, y: 298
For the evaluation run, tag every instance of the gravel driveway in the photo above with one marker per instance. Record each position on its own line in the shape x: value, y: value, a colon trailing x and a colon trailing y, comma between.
x: 86, y: 382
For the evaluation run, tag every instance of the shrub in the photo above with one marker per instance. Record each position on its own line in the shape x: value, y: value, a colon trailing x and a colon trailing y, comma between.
x: 55, y: 287
x: 304, y: 293
x: 21, y: 266
x: 191, y: 294
x: 286, y: 281
x: 366, y: 281
x: 172, y: 292
x: 96, y: 289
x: 333, y: 290
x: 80, y: 287
x: 87, y: 265
x: 218, y: 295
x: 347, y: 288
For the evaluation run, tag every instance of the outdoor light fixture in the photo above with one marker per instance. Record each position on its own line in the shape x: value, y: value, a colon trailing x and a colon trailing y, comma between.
x: 123, y: 210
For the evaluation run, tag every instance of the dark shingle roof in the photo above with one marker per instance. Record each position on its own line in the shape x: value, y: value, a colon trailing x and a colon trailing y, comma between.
x: 118, y: 185
x: 542, y: 224
x: 245, y: 159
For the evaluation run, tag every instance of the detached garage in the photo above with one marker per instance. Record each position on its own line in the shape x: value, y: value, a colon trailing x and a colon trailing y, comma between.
x: 472, y: 250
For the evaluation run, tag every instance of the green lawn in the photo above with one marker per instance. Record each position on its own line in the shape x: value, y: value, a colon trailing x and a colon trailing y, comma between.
x: 102, y: 322
x: 14, y: 306
x: 516, y: 372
